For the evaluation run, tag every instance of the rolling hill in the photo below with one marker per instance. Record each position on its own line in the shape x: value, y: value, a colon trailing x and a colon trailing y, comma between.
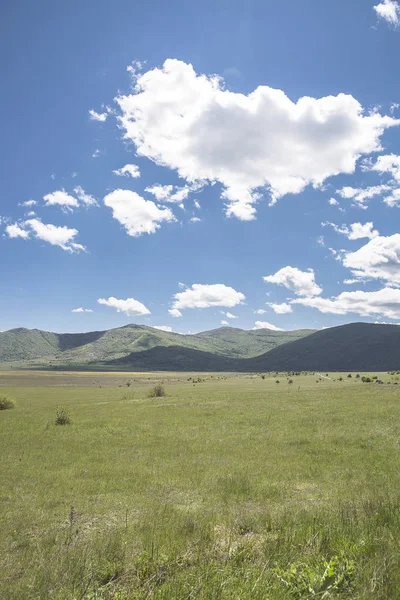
x: 353, y: 347
x: 35, y: 347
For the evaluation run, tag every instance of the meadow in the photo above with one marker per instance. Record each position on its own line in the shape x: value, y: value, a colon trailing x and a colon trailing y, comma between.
x: 229, y: 487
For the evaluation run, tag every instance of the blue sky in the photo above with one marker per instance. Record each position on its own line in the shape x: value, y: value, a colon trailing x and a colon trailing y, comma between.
x: 275, y: 125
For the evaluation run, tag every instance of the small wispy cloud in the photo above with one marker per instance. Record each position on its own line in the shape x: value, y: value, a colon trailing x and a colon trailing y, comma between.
x: 128, y: 171
x: 95, y: 116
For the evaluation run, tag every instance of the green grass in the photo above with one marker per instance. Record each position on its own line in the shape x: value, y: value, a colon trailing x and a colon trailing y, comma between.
x: 230, y: 487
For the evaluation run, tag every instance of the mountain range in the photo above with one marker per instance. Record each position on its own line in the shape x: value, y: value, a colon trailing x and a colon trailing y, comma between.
x: 352, y: 347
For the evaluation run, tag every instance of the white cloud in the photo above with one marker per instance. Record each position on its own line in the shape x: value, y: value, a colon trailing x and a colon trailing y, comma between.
x: 393, y: 199
x: 281, y: 309
x: 230, y: 315
x: 162, y: 328
x: 174, y: 312
x: 194, y: 220
x: 29, y: 203
x: 302, y: 283
x: 68, y: 202
x: 351, y: 281
x: 333, y: 202
x: 128, y: 171
x: 204, y: 296
x: 81, y: 310
x: 56, y: 236
x: 360, y: 195
x: 96, y: 153
x: 197, y: 204
x: 260, y: 311
x: 224, y: 323
x: 31, y: 213
x: 387, y: 163
x: 378, y: 259
x: 84, y: 197
x: 356, y: 231
x: 15, y: 231
x: 389, y: 10
x: 244, y: 211
x: 61, y: 198
x: 385, y: 302
x: 337, y: 254
x: 135, y: 67
x: 169, y: 193
x: 95, y: 116
x: 359, y: 231
x: 191, y: 124
x: 130, y: 306
x: 390, y: 164
x: 137, y: 215
x: 265, y: 325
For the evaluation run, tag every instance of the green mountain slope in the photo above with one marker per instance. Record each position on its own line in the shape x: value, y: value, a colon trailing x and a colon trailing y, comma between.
x: 30, y: 344
x: 353, y: 347
x: 25, y: 344
x: 41, y: 347
x: 176, y: 358
x: 240, y: 343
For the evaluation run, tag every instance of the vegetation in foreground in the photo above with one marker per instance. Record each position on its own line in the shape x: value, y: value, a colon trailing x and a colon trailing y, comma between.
x: 6, y: 402
x: 228, y: 487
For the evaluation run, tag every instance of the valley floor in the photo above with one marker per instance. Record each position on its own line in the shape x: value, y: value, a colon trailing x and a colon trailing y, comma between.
x: 229, y: 487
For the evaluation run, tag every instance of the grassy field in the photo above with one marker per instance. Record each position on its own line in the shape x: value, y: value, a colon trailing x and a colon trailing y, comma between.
x: 232, y: 487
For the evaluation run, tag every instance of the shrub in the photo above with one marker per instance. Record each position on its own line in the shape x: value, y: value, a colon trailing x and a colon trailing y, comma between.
x: 157, y: 391
x: 366, y: 379
x: 349, y: 375
x: 6, y: 402
x: 358, y: 376
x: 62, y: 417
x: 277, y: 381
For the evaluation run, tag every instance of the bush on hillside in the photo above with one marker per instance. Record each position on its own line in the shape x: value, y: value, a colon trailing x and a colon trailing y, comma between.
x: 6, y: 402
x: 62, y: 417
x: 157, y: 391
